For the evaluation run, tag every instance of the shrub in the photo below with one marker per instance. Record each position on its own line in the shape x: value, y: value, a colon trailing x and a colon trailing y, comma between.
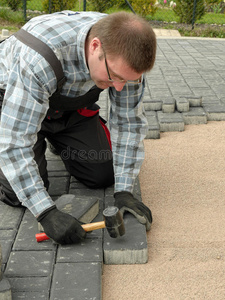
x: 184, y: 9
x: 144, y: 7
x: 58, y: 5
x: 14, y: 4
x: 101, y: 5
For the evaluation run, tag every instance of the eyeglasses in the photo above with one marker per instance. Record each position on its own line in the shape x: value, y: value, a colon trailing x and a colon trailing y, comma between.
x: 138, y: 81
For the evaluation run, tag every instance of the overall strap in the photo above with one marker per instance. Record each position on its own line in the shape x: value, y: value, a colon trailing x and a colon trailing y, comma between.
x: 43, y: 49
x: 57, y: 102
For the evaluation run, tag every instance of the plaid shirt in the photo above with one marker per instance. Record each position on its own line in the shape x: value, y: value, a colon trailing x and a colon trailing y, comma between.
x: 29, y: 81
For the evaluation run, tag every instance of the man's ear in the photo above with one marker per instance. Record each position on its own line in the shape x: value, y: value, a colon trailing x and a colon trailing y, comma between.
x: 95, y: 44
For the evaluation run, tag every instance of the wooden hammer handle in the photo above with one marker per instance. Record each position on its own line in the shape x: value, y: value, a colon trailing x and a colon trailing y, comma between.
x: 93, y: 226
x: 87, y: 227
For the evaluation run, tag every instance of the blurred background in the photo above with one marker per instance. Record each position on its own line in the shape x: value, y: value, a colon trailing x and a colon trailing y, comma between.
x: 190, y: 17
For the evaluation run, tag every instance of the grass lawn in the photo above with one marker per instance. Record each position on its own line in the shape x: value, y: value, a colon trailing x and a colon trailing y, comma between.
x: 168, y: 15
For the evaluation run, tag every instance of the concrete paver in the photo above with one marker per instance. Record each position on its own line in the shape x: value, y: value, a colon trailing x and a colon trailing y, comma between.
x: 185, y: 67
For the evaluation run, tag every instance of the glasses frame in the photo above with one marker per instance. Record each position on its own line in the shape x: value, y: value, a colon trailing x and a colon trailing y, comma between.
x: 138, y: 81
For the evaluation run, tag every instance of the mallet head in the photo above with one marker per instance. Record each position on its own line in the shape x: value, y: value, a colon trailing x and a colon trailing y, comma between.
x: 114, y: 221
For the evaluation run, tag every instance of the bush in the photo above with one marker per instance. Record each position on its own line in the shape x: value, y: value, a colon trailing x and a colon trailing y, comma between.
x: 144, y: 7
x: 58, y: 5
x: 184, y: 9
x: 14, y: 4
x: 101, y: 5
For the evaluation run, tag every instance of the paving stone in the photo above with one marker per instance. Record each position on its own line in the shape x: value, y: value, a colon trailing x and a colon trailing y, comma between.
x: 79, y: 192
x: 195, y: 100
x: 77, y: 281
x: 222, y: 100
x: 30, y: 263
x: 31, y: 295
x: 168, y: 105
x: 3, y: 268
x: 10, y: 217
x: 6, y: 249
x: 130, y: 248
x: 170, y: 122
x: 5, y: 290
x: 26, y: 240
x: 58, y: 185
x: 6, y: 242
x: 215, y: 112
x: 0, y: 262
x: 90, y: 250
x: 56, y: 166
x: 152, y: 104
x: 153, y: 125
x: 196, y: 115
x: 182, y: 104
x: 7, y: 234
x: 30, y: 284
x: 83, y: 209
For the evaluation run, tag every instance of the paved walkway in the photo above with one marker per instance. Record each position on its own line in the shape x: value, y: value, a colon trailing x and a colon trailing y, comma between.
x: 166, y: 32
x: 184, y: 67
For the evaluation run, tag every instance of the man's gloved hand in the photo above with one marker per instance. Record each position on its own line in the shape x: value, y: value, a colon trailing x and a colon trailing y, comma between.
x: 61, y: 227
x: 125, y: 201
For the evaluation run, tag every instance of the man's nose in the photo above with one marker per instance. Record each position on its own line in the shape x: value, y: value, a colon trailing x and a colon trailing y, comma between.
x: 119, y: 86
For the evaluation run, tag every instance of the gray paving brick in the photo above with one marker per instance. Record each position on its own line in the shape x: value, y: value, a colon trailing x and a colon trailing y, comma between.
x: 26, y: 240
x: 170, y: 122
x: 132, y: 247
x: 30, y: 263
x: 6, y: 249
x: 6, y: 242
x: 90, y: 250
x: 83, y: 209
x: 0, y: 262
x: 152, y: 104
x: 30, y: 284
x: 5, y: 289
x: 79, y: 192
x: 57, y: 166
x: 168, y: 105
x: 58, y: 185
x: 77, y: 281
x: 182, y: 104
x: 10, y: 217
x: 30, y: 296
x: 7, y: 234
x: 222, y: 100
x: 203, y: 91
x: 160, y: 93
x: 128, y: 249
x: 3, y: 266
x: 215, y: 112
x: 153, y: 125
x: 194, y: 100
x: 196, y: 115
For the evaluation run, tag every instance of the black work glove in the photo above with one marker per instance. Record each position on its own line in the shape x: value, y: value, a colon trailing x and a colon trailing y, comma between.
x: 61, y: 227
x: 125, y: 201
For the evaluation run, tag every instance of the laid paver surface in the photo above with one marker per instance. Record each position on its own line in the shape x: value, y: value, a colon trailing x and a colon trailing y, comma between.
x: 191, y: 68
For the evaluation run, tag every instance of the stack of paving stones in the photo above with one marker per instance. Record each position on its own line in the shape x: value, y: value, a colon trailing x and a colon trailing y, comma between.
x: 49, y: 271
x: 186, y: 85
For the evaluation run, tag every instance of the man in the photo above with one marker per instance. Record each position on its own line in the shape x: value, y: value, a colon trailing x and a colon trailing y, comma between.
x: 96, y: 52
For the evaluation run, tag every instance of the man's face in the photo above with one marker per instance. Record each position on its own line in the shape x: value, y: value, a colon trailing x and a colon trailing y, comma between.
x: 110, y: 71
